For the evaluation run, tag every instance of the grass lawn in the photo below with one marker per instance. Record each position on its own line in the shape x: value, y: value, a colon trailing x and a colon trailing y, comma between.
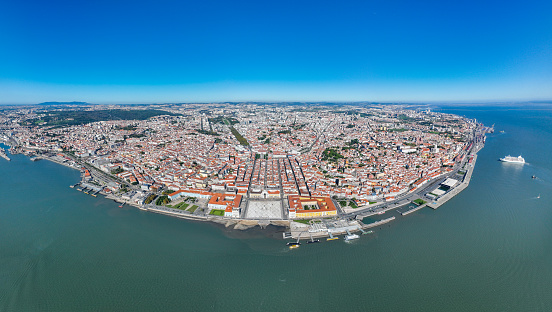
x: 353, y: 205
x: 192, y: 209
x: 419, y: 201
x: 343, y: 203
x: 217, y: 212
x: 370, y: 203
x: 181, y: 206
x: 302, y: 221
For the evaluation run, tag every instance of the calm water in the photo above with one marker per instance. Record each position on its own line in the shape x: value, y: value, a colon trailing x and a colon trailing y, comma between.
x: 488, y: 249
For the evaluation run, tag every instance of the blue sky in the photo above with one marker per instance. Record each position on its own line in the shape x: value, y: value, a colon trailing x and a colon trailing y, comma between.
x: 186, y: 51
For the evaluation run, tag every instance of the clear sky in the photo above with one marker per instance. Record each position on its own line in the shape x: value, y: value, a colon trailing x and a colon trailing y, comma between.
x: 184, y: 51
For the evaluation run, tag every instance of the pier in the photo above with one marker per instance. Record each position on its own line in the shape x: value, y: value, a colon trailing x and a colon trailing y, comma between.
x: 456, y: 190
x: 3, y: 155
x: 87, y: 188
x: 404, y: 213
x: 378, y: 223
x: 331, y: 229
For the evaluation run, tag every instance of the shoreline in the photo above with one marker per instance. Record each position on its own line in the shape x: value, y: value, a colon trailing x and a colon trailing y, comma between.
x: 457, y: 190
x: 295, y: 232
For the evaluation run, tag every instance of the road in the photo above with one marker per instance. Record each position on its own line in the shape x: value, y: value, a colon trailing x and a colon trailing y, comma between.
x: 475, y: 138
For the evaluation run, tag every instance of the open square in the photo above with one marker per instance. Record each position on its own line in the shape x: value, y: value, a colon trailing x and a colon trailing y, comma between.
x: 264, y: 210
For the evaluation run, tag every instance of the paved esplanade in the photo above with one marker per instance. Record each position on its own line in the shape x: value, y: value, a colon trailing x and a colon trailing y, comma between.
x: 264, y: 209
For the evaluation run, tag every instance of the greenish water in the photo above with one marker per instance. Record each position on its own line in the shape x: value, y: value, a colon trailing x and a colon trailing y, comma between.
x: 487, y: 249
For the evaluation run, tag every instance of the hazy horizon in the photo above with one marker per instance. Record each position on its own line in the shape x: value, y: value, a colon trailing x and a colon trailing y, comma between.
x: 468, y: 103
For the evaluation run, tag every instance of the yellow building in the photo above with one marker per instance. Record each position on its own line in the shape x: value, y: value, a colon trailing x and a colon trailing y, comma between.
x: 301, y: 207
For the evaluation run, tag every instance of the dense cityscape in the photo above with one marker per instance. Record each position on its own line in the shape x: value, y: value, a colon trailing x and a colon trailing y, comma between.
x: 253, y: 162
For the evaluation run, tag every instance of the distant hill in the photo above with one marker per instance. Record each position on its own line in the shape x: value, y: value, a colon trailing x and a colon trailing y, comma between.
x: 79, y: 117
x: 64, y: 103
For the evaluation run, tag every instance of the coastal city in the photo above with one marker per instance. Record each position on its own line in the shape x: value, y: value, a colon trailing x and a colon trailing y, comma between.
x: 316, y: 169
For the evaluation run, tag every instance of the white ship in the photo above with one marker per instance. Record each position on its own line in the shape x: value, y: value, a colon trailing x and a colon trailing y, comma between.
x: 351, y: 237
x: 511, y: 159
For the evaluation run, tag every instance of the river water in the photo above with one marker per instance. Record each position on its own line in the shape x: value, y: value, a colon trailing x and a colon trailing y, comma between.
x: 487, y: 249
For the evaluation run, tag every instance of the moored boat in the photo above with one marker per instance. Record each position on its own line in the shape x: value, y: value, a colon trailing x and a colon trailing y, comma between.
x: 351, y: 237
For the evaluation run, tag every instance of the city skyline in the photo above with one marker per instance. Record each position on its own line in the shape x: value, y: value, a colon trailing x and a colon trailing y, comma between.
x: 215, y: 51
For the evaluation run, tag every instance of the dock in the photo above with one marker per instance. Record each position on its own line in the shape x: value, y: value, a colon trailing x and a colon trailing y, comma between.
x: 413, y: 210
x: 3, y: 155
x: 378, y: 223
x: 455, y: 191
x: 87, y: 188
x: 331, y: 229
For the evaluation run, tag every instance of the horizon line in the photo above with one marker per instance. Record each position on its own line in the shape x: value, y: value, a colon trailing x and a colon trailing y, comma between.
x: 543, y: 101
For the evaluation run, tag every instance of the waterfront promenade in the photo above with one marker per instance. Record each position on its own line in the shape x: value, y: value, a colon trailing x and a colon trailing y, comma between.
x: 131, y: 194
x: 456, y: 190
x: 301, y: 232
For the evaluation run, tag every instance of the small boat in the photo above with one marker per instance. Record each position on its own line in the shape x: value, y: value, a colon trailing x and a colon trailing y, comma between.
x: 533, y: 177
x: 381, y: 212
x: 313, y: 241
x: 351, y: 237
x: 332, y: 238
x: 293, y: 244
x: 538, y: 196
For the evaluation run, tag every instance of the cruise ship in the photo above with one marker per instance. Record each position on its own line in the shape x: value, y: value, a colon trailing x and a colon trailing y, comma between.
x: 511, y: 159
